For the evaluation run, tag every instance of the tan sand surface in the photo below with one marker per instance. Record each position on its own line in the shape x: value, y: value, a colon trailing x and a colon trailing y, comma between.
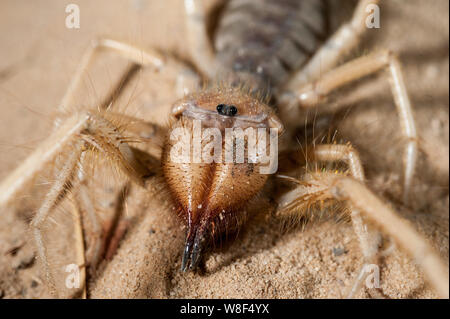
x: 38, y: 56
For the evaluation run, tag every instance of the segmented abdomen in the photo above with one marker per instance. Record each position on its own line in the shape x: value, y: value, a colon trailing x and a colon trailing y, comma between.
x: 262, y: 41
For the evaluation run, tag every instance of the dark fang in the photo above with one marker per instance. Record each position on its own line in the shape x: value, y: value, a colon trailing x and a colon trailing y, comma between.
x: 186, y: 256
x: 196, y: 252
x: 193, y: 249
x: 228, y: 110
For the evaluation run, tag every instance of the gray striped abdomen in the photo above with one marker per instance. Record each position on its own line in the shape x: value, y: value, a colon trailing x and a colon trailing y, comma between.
x: 262, y: 41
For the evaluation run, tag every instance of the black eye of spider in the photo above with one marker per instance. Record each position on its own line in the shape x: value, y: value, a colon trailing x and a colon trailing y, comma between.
x: 220, y: 108
x: 232, y: 110
x: 228, y: 110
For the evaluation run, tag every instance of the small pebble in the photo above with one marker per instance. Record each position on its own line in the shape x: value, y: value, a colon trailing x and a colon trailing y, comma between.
x: 338, y: 251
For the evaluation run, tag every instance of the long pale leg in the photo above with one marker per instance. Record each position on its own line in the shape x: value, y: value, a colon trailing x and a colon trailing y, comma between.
x: 314, y: 93
x: 57, y: 191
x: 93, y: 254
x: 57, y: 143
x: 88, y: 131
x: 340, y: 43
x: 144, y: 58
x: 367, y: 241
x: 325, y: 186
x: 361, y: 198
x: 343, y: 153
x: 24, y: 174
x: 40, y: 160
x: 200, y: 46
x: 103, y: 240
x: 79, y: 244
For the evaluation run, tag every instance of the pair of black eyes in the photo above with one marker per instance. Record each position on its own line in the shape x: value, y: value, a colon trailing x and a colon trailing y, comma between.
x: 228, y: 110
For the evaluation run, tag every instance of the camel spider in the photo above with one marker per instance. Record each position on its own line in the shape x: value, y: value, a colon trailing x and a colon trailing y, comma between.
x: 226, y: 191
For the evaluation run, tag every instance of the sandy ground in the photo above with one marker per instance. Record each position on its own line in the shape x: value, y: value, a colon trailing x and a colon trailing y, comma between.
x: 38, y: 56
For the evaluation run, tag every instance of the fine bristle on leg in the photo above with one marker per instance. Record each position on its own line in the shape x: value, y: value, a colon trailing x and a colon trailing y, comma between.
x: 82, y: 132
x: 314, y: 93
x: 317, y: 190
x: 352, y: 191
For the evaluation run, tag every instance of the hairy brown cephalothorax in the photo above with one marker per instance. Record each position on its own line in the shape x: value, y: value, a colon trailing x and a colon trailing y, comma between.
x: 209, y: 192
x: 276, y: 48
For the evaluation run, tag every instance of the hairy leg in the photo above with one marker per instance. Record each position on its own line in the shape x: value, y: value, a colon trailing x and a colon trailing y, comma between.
x: 360, y: 197
x: 367, y: 240
x: 56, y: 193
x: 365, y: 207
x: 138, y: 56
x: 316, y: 92
x: 84, y: 131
